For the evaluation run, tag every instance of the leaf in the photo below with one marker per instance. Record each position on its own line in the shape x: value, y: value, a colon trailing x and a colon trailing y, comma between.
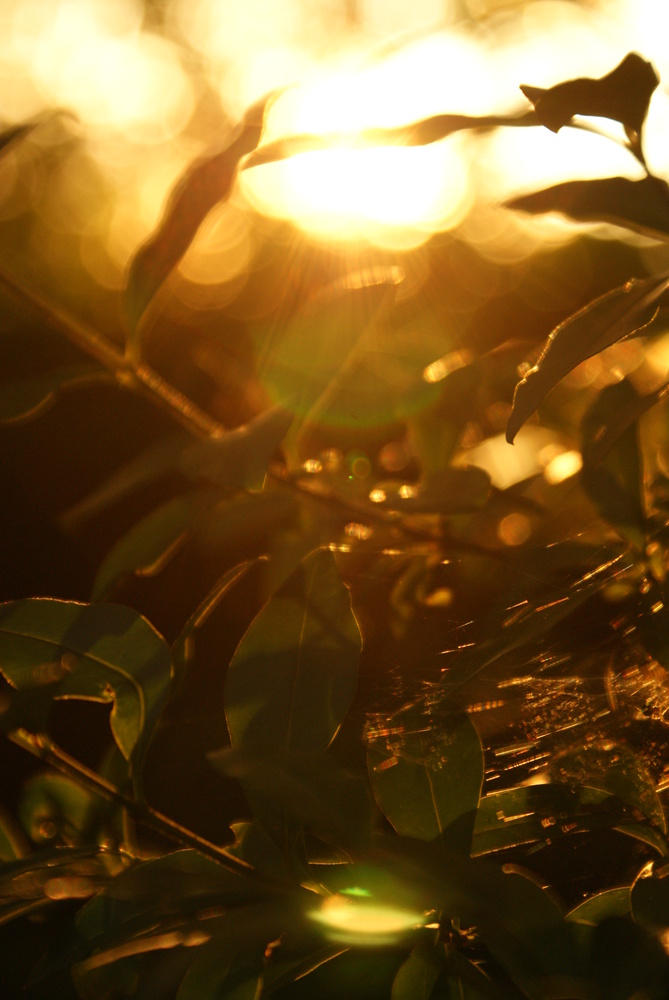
x: 294, y: 673
x: 30, y: 397
x: 622, y: 95
x: 628, y: 960
x: 218, y: 975
x: 642, y: 206
x: 328, y: 800
x: 207, y: 182
x: 418, y: 975
x: 53, y: 806
x: 157, y: 460
x: 609, y: 903
x: 649, y: 898
x: 421, y: 133
x: 99, y: 652
x: 254, y: 845
x: 426, y: 771
x: 13, y: 843
x: 601, y: 323
x: 148, y: 545
x: 533, y: 813
x: 616, y: 482
x: 240, y: 457
x: 629, y: 406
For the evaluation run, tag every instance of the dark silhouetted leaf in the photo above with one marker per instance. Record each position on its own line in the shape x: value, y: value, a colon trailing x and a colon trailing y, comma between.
x: 642, y: 206
x: 328, y: 800
x: 622, y: 95
x: 601, y: 323
x: 622, y: 415
x: 148, y: 545
x: 426, y: 772
x: 207, y: 181
x: 30, y: 397
x: 628, y: 959
x: 615, y: 483
x: 294, y: 673
x: 649, y: 897
x: 100, y: 652
x: 421, y: 133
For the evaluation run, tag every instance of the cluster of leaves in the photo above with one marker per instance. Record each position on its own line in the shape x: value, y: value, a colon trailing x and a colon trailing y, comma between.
x: 380, y: 878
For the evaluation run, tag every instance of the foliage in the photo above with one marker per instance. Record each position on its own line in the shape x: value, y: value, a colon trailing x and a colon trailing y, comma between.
x: 375, y: 857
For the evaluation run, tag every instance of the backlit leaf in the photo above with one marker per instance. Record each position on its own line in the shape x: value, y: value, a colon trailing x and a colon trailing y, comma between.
x: 207, y: 181
x: 328, y: 800
x: 294, y: 673
x: 615, y: 483
x: 148, y: 544
x: 99, y: 652
x: 622, y: 95
x: 29, y: 397
x: 642, y: 206
x: 426, y: 772
x: 601, y: 323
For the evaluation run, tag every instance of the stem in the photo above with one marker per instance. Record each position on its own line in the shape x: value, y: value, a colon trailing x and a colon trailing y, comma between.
x: 45, y: 750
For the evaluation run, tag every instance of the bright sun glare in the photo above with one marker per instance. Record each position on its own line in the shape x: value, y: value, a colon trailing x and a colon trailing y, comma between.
x: 347, y: 67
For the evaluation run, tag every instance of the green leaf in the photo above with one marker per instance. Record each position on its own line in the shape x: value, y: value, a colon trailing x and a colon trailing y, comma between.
x: 418, y: 975
x: 603, y: 322
x: 99, y: 652
x: 534, y: 813
x: 149, y: 544
x: 30, y: 397
x: 52, y: 806
x: 207, y: 182
x: 609, y: 903
x: 294, y: 673
x: 616, y: 482
x: 240, y: 457
x: 649, y: 897
x: 426, y: 771
x: 254, y: 845
x: 328, y: 800
x: 216, y: 974
x: 622, y: 95
x: 642, y: 206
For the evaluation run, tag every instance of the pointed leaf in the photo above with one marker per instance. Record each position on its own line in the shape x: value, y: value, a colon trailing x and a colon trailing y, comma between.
x: 240, y: 457
x: 616, y: 483
x: 426, y: 774
x: 207, y: 181
x: 603, y: 322
x: 148, y: 544
x: 216, y: 974
x: 417, y: 976
x: 100, y: 652
x: 30, y: 397
x: 642, y: 206
x: 420, y: 133
x: 609, y: 903
x: 328, y: 800
x: 622, y: 95
x: 294, y: 673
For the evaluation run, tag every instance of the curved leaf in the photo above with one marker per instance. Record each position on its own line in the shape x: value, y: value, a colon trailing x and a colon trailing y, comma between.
x: 609, y: 903
x: 99, y: 652
x: 616, y: 482
x: 642, y: 206
x: 601, y: 323
x: 426, y: 774
x: 417, y: 976
x: 207, y: 181
x: 622, y: 95
x: 30, y: 397
x: 149, y: 543
x: 649, y: 898
x: 294, y: 673
x: 217, y: 973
